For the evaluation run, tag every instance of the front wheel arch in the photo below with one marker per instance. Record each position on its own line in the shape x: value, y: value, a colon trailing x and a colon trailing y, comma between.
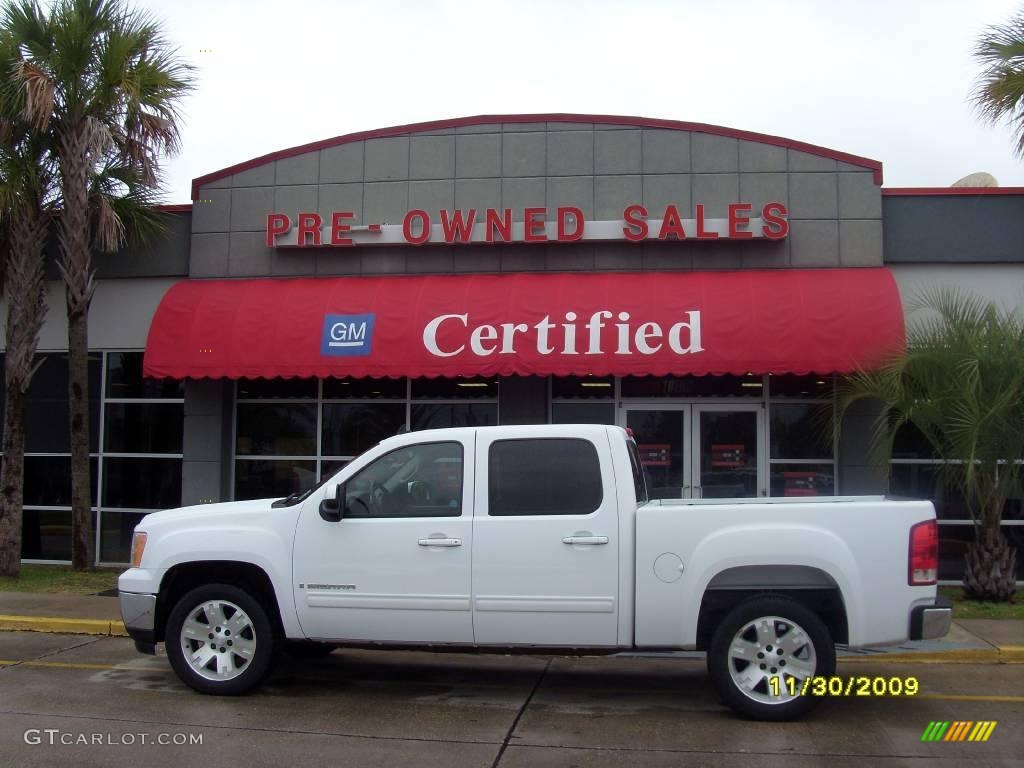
x: 220, y: 640
x: 184, y: 577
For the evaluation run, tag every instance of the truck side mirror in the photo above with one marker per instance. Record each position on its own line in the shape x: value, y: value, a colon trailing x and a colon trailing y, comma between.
x: 332, y: 510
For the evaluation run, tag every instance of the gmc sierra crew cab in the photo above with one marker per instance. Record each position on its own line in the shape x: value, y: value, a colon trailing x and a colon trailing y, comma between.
x: 532, y: 537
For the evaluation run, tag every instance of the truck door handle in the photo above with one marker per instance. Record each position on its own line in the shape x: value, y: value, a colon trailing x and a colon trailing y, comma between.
x: 585, y: 540
x: 439, y: 542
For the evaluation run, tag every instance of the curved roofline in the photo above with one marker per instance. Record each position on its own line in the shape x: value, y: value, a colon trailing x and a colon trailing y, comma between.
x: 948, y: 191
x: 557, y: 117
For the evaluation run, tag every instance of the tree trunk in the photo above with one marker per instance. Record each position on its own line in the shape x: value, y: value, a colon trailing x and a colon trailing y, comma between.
x: 76, y: 269
x: 990, y: 571
x: 26, y: 309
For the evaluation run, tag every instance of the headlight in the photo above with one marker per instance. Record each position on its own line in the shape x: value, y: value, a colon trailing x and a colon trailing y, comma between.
x: 138, y: 547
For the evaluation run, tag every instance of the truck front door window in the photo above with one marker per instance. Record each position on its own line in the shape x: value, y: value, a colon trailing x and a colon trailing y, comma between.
x: 422, y: 480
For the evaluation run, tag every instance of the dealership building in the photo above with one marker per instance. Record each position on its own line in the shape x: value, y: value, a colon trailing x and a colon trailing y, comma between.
x: 704, y: 286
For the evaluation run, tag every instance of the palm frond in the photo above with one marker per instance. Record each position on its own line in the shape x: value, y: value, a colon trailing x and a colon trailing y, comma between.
x: 999, y: 91
x: 960, y: 384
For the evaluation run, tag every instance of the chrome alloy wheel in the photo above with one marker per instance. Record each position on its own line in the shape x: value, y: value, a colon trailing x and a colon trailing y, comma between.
x: 218, y: 640
x: 771, y: 647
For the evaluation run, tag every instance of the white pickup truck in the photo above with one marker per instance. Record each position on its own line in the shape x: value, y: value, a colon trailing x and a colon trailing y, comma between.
x: 527, y: 537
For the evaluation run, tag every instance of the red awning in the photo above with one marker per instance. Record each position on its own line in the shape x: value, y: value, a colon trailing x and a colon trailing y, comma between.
x: 759, y: 321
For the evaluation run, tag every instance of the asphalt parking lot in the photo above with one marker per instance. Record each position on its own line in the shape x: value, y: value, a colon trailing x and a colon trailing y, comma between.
x: 84, y: 701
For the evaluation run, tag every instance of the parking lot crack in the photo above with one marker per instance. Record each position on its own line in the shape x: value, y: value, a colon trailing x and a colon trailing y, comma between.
x: 519, y: 714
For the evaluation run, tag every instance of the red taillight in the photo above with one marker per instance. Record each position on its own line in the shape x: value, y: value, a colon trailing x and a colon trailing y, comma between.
x: 924, y: 554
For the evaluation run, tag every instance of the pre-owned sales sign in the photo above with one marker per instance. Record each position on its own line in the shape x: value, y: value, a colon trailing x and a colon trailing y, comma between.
x: 564, y: 224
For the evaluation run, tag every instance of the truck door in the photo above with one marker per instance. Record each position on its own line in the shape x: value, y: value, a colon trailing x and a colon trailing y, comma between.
x: 545, y: 540
x: 396, y: 568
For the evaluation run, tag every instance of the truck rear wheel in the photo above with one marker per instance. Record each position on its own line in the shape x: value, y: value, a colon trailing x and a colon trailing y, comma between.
x: 219, y: 640
x: 763, y: 651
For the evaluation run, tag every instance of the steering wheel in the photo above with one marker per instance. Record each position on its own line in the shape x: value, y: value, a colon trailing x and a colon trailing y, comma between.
x: 378, y: 495
x: 420, y: 492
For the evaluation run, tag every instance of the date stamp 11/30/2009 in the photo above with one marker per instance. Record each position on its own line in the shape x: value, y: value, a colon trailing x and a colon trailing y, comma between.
x: 840, y: 686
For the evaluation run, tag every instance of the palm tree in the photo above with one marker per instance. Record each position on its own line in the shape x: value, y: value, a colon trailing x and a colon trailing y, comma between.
x: 27, y: 201
x: 105, y: 85
x: 960, y: 383
x: 999, y: 91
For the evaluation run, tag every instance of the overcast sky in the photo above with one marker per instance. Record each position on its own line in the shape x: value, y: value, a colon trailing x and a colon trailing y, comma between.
x: 886, y: 79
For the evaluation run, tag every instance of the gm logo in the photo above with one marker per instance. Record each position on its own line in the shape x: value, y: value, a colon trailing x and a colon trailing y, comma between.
x: 347, y: 335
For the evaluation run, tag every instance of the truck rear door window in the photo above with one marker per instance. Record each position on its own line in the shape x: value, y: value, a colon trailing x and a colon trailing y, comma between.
x: 543, y: 476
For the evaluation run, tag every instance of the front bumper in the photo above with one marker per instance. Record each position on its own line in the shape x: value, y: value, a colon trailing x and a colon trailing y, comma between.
x: 138, y: 612
x: 930, y: 621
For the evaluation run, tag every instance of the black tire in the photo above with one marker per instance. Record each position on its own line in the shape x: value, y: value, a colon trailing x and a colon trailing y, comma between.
x: 308, y: 649
x: 759, y: 703
x: 258, y: 635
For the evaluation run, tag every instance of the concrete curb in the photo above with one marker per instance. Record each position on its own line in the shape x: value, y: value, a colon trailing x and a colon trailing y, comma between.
x: 1006, y: 654
x: 62, y: 626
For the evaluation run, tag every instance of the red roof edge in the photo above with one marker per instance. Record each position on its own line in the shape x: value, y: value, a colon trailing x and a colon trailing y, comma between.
x: 640, y: 122
x: 936, y: 191
x: 173, y: 208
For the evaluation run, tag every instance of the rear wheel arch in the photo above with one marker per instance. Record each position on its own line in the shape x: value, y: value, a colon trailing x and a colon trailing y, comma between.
x: 810, y: 586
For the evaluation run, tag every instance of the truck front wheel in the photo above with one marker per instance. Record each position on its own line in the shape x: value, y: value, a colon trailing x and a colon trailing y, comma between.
x: 219, y: 640
x: 763, y: 652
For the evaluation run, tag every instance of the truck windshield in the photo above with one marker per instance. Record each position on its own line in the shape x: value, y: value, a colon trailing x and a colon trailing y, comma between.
x: 300, y: 496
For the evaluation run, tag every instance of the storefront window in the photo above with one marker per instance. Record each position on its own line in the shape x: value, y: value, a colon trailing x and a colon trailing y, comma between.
x: 48, y: 481
x: 46, y: 534
x: 924, y: 479
x: 430, y: 416
x: 954, y: 541
x: 136, y: 429
x: 277, y: 446
x: 802, y: 480
x: 144, y: 427
x: 454, y: 389
x: 125, y: 380
x: 365, y: 389
x: 792, y: 385
x: 276, y: 429
x: 801, y: 431
x: 910, y: 443
x: 141, y: 463
x: 141, y: 483
x: 692, y: 386
x: 801, y: 455
x: 284, y: 389
x: 582, y: 387
x: 261, y: 479
x: 350, y: 428
x: 582, y: 413
x: 46, y: 405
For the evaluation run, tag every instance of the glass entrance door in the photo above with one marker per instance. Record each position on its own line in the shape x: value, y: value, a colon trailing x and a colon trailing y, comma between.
x: 662, y: 434
x: 700, y: 451
x: 728, y: 459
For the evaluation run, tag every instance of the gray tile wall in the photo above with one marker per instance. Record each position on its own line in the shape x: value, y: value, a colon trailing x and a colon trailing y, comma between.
x: 206, y: 468
x: 835, y: 208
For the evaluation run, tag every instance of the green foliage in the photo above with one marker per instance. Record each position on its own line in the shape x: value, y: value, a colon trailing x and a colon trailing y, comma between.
x: 999, y: 91
x: 59, y: 579
x: 966, y: 608
x: 960, y: 383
